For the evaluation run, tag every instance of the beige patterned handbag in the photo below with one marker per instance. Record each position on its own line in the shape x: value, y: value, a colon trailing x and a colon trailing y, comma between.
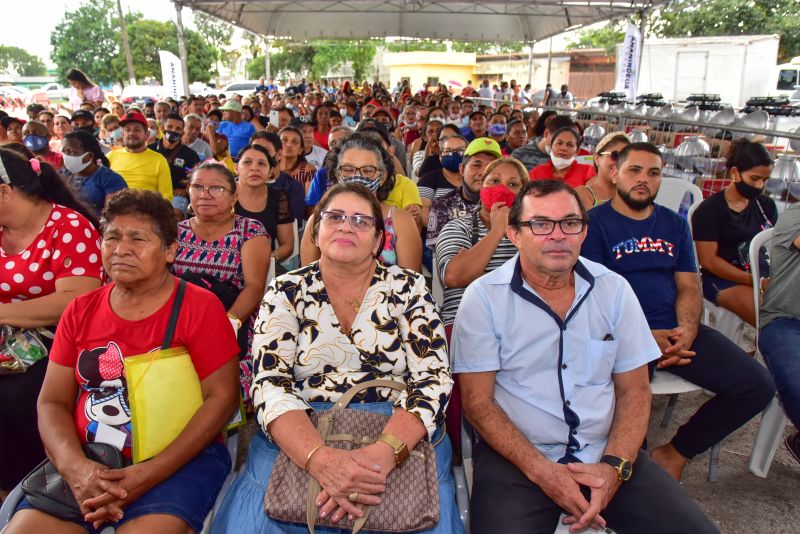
x: 411, y: 500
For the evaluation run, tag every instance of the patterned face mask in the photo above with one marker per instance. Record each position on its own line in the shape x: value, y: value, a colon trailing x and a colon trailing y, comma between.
x: 370, y: 184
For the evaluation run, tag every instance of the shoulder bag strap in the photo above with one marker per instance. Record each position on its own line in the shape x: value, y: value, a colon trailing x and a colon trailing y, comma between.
x: 173, y: 317
x: 475, y: 234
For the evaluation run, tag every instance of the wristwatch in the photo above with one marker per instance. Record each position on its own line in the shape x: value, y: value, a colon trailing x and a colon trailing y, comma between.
x: 623, y: 467
x: 399, y: 447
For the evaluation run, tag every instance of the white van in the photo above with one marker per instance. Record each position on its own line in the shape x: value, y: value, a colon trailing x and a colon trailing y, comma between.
x: 787, y: 77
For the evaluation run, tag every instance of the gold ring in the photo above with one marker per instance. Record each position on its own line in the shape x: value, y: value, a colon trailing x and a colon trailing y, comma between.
x: 353, y: 497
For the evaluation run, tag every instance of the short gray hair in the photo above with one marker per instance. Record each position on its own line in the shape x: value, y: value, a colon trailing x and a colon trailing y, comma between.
x: 191, y: 117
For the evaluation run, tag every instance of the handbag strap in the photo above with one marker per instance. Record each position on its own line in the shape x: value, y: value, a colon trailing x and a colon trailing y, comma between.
x: 345, y: 399
x: 173, y: 317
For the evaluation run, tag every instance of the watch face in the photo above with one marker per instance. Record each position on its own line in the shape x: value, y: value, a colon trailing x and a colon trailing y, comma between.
x: 625, y: 471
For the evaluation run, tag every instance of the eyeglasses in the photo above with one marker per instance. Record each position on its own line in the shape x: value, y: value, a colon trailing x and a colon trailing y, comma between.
x: 453, y: 151
x: 367, y: 171
x: 214, y: 191
x: 614, y: 154
x: 359, y: 223
x: 546, y: 226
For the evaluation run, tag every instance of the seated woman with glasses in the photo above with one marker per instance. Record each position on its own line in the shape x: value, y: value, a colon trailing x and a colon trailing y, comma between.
x: 362, y: 160
x: 225, y: 253
x: 601, y: 189
x: 335, y: 323
x: 564, y: 145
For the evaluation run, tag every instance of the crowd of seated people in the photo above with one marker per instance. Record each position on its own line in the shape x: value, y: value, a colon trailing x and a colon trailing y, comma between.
x: 565, y: 288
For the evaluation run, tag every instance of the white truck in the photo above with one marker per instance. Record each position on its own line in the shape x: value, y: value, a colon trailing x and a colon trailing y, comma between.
x: 55, y: 91
x: 734, y: 67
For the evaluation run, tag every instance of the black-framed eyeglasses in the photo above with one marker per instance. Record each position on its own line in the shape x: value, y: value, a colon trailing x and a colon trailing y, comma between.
x: 359, y: 223
x: 367, y: 171
x: 546, y: 226
x: 613, y: 154
x: 214, y: 191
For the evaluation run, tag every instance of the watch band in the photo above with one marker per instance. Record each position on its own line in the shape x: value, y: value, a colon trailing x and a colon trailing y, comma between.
x: 623, y: 467
x: 399, y: 447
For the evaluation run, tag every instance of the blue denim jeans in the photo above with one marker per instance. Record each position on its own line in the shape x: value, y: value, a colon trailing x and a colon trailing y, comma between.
x: 779, y: 342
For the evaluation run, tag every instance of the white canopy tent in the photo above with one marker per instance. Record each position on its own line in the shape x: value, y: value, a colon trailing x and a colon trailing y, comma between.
x: 525, y: 21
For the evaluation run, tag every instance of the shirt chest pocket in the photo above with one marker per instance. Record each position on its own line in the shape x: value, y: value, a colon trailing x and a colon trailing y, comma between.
x: 597, y: 363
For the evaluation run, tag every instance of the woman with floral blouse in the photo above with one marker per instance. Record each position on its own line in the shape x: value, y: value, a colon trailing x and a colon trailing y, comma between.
x: 337, y: 322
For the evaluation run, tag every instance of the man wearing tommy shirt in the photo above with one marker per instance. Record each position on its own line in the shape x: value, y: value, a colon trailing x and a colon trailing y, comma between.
x: 651, y: 247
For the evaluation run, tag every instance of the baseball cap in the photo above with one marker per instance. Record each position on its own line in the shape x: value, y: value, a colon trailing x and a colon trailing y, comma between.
x: 231, y: 105
x: 382, y: 110
x: 83, y: 114
x: 134, y: 117
x: 8, y: 119
x: 368, y: 125
x: 477, y: 112
x: 484, y: 144
x: 299, y: 122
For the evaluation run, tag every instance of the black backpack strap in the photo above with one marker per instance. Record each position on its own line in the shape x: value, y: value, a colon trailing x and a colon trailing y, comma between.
x: 173, y: 317
x: 475, y: 235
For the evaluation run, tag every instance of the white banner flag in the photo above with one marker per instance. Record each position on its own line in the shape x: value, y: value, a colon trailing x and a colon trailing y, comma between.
x: 628, y: 63
x: 171, y: 74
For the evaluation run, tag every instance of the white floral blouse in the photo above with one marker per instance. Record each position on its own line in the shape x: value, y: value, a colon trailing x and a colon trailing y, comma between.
x: 302, y: 355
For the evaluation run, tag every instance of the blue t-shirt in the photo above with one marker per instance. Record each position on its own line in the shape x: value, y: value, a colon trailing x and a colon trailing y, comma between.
x: 97, y: 186
x: 294, y: 193
x: 318, y: 187
x: 646, y: 253
x: 238, y: 135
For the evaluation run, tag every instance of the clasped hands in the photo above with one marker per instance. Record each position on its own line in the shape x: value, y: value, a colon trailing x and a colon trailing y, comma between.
x: 343, y: 474
x: 674, y: 345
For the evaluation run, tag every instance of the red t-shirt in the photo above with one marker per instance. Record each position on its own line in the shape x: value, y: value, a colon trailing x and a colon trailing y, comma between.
x: 93, y: 340
x: 577, y: 174
x: 68, y: 245
x: 321, y: 139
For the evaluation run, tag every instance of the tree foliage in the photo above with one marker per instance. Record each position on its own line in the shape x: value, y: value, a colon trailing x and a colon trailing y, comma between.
x: 18, y: 62
x: 217, y: 34
x: 686, y: 18
x: 480, y: 47
x: 607, y: 37
x: 416, y: 45
x: 315, y: 59
x: 87, y: 38
x: 147, y: 37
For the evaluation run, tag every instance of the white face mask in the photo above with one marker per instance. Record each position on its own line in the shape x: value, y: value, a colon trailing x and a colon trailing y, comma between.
x: 75, y: 164
x: 153, y: 133
x: 561, y: 163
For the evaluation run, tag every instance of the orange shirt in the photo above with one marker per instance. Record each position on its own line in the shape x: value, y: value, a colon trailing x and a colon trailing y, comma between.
x: 577, y: 174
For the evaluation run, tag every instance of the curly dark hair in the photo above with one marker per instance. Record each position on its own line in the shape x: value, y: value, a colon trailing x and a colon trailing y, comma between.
x: 366, y: 141
x: 147, y: 204
x: 360, y: 191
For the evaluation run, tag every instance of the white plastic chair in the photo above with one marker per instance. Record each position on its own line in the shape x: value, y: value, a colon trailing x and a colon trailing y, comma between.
x: 673, y: 191
x: 665, y: 383
x: 293, y: 262
x: 437, y: 291
x: 773, y: 420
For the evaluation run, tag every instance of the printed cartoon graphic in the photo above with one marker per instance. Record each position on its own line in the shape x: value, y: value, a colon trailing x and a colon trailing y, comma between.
x: 105, y: 407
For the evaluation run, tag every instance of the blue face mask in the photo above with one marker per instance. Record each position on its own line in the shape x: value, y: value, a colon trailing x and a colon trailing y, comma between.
x: 497, y: 129
x: 372, y: 185
x: 451, y: 162
x: 35, y: 143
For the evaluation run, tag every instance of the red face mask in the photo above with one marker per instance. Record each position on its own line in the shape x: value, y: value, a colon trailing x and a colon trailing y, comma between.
x: 497, y: 193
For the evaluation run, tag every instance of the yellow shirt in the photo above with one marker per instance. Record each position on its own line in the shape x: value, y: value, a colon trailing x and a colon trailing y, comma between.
x: 146, y: 170
x: 404, y: 193
x: 227, y: 161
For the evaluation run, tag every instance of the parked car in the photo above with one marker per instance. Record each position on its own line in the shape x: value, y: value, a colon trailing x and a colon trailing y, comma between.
x: 138, y: 94
x: 242, y: 88
x: 56, y: 91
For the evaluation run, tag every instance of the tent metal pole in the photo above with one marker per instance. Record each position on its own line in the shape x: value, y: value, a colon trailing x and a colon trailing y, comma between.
x: 266, y: 58
x: 549, y: 59
x: 642, y: 28
x: 530, y: 62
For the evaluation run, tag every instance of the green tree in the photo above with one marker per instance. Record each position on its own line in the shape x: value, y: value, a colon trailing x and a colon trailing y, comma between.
x: 687, y: 18
x: 480, y: 47
x: 147, y: 37
x: 16, y: 61
x: 87, y: 38
x: 331, y: 55
x: 416, y: 45
x: 216, y: 32
x: 607, y: 37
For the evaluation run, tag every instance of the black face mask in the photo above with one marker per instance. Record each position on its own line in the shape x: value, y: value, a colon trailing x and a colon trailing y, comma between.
x: 469, y: 195
x: 172, y: 137
x: 747, y: 190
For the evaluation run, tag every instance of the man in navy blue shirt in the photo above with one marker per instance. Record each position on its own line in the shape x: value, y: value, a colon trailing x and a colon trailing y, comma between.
x: 651, y: 246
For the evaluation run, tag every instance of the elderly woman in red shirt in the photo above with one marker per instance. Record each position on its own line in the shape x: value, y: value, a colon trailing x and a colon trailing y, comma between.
x: 564, y: 145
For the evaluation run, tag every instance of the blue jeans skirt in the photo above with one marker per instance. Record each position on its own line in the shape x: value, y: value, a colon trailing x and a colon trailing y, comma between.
x: 243, y: 507
x: 188, y: 494
x: 713, y: 285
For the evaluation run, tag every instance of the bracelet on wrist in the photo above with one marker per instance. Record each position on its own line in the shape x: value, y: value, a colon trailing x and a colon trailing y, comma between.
x: 310, y: 454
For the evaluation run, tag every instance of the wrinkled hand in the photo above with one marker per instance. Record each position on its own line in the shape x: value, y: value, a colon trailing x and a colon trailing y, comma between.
x: 131, y: 482
x: 498, y: 217
x: 85, y: 482
x: 674, y: 345
x: 603, y: 482
x: 561, y: 485
x: 342, y: 472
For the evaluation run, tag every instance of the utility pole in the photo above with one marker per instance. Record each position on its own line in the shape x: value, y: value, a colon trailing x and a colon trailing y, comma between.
x: 125, y: 44
x: 530, y: 63
x: 549, y: 59
x: 266, y: 57
x: 182, y: 48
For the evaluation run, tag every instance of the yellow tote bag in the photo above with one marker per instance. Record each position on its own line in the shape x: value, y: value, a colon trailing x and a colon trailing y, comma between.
x: 164, y: 394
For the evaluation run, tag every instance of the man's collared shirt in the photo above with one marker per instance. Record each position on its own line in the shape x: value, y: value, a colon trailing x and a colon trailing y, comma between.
x: 554, y: 378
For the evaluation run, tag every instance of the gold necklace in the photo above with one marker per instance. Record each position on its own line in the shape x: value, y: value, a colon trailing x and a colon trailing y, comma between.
x: 355, y: 303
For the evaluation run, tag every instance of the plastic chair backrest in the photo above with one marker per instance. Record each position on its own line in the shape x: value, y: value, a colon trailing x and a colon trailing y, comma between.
x: 762, y: 239
x: 437, y: 291
x: 673, y: 191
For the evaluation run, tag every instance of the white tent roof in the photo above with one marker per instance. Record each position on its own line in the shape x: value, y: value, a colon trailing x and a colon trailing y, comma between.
x: 492, y: 20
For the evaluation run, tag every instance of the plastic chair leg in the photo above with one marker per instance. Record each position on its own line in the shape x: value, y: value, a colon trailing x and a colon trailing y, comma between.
x: 673, y: 399
x: 770, y: 432
x: 713, y: 463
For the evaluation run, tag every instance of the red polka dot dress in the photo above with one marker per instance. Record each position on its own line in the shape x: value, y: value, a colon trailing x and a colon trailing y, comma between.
x: 68, y: 245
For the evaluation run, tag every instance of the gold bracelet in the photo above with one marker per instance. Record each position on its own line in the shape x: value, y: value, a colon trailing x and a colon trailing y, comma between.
x: 310, y: 454
x: 238, y: 321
